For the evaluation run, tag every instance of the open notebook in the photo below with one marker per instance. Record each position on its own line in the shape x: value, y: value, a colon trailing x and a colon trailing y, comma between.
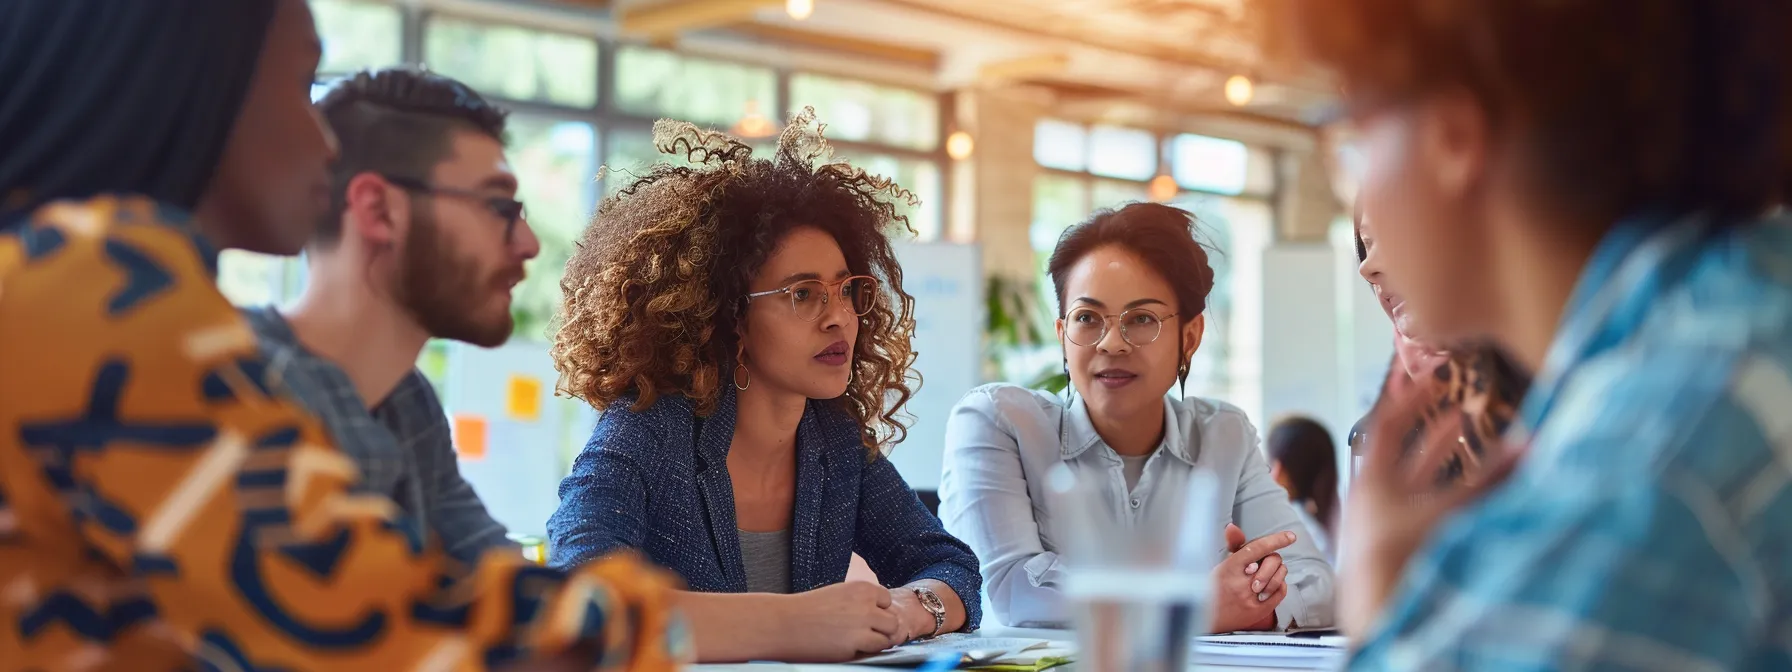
x: 1006, y: 653
x: 1270, y: 650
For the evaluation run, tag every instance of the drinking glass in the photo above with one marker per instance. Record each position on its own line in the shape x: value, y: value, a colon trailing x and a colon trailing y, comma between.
x: 1139, y: 592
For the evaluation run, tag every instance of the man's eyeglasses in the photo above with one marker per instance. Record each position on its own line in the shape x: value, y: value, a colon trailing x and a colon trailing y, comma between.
x: 1139, y: 326
x: 809, y: 298
x: 508, y: 209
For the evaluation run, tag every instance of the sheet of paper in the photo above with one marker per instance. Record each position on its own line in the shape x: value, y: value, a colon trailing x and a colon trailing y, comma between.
x: 469, y: 435
x: 523, y: 398
x: 1275, y: 651
x: 975, y: 649
x: 1265, y: 639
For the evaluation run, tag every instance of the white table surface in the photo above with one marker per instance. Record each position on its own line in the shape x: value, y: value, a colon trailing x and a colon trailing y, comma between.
x: 990, y: 631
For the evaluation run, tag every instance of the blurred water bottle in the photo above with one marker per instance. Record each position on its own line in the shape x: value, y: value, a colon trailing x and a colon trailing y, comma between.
x: 1139, y: 593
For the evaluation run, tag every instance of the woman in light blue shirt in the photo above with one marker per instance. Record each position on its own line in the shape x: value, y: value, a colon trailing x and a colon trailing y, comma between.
x: 1132, y: 287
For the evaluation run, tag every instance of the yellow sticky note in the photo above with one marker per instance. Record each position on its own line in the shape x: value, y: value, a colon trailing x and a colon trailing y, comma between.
x: 524, y: 398
x: 469, y: 436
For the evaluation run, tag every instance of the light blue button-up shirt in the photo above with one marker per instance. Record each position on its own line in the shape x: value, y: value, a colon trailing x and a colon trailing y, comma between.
x: 1002, y: 440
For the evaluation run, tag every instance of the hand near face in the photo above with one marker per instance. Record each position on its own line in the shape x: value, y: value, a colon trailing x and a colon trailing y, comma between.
x: 1396, y: 503
x: 1251, y: 582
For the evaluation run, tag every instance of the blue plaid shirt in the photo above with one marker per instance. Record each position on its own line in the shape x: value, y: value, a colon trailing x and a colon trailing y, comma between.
x: 402, y: 446
x: 1651, y: 525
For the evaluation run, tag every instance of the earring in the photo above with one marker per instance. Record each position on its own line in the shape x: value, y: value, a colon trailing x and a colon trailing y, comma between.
x: 740, y: 366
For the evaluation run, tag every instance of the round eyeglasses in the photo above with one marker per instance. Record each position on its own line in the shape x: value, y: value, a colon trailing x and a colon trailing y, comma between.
x: 1139, y: 326
x: 809, y: 298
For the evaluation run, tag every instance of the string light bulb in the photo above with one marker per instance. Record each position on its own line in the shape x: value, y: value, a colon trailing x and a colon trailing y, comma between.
x: 1239, y: 90
x: 1162, y: 188
x: 799, y: 9
x: 753, y: 123
x: 959, y: 145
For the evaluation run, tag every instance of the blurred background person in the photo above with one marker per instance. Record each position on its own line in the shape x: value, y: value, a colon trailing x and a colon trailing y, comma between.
x: 1304, y: 461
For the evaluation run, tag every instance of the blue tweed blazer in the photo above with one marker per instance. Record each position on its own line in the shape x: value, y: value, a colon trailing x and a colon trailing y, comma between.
x: 647, y: 480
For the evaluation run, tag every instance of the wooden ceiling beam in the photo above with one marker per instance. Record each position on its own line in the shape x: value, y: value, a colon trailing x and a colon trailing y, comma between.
x: 1023, y: 68
x: 665, y: 19
x: 883, y: 51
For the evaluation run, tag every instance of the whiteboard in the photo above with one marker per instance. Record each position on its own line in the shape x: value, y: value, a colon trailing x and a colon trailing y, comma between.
x: 946, y: 280
x: 518, y: 478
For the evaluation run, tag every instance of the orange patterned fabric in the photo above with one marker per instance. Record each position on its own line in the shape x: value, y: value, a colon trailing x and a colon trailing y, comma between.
x: 162, y: 503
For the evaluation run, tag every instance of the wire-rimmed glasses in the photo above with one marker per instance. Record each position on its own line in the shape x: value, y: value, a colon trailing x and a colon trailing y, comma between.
x: 1139, y: 326
x: 509, y: 210
x: 809, y: 298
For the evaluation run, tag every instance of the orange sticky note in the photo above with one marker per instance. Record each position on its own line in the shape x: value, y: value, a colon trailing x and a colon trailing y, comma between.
x: 524, y: 398
x: 469, y: 437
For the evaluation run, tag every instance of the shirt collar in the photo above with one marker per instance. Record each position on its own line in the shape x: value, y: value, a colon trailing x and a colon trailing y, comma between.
x: 1080, y: 435
x: 1615, y: 289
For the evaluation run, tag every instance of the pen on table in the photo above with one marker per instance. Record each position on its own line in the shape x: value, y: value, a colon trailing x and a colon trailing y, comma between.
x: 942, y: 661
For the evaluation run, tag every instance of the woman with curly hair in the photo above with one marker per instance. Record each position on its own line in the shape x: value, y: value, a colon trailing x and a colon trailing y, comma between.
x: 742, y: 326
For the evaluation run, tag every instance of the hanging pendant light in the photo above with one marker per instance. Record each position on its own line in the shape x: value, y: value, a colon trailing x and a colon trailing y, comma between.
x: 1240, y: 90
x: 753, y: 124
x: 1163, y: 188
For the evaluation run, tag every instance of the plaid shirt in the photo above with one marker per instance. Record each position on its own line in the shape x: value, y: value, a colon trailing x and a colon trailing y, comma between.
x: 1651, y: 525
x: 403, y: 446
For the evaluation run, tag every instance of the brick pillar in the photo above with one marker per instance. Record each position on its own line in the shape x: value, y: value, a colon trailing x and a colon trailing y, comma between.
x: 1001, y: 172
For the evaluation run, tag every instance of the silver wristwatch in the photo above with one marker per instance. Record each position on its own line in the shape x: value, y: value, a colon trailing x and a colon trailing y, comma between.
x: 932, y: 603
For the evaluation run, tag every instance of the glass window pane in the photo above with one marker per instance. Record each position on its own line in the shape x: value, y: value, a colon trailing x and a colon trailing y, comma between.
x: 629, y: 152
x: 513, y: 62
x: 555, y: 162
x: 1115, y: 193
x: 1236, y: 230
x: 1127, y: 153
x: 358, y: 35
x: 865, y: 112
x: 921, y: 177
x: 1209, y: 164
x: 1260, y: 172
x: 1061, y: 144
x: 1058, y: 202
x: 250, y: 279
x: 656, y: 83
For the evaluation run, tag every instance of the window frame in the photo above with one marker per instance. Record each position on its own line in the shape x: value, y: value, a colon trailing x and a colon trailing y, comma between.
x: 608, y: 121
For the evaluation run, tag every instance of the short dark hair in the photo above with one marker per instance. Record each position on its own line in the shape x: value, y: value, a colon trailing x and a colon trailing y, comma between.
x: 397, y: 121
x: 1162, y: 235
x: 1617, y: 105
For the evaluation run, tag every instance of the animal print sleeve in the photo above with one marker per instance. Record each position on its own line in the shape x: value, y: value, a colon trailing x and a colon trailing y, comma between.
x: 156, y: 485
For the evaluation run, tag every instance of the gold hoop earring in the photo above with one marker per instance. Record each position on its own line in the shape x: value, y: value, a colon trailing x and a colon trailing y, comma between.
x: 740, y: 364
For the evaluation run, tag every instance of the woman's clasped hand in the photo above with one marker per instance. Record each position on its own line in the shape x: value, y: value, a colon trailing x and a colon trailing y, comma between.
x: 1251, y: 582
